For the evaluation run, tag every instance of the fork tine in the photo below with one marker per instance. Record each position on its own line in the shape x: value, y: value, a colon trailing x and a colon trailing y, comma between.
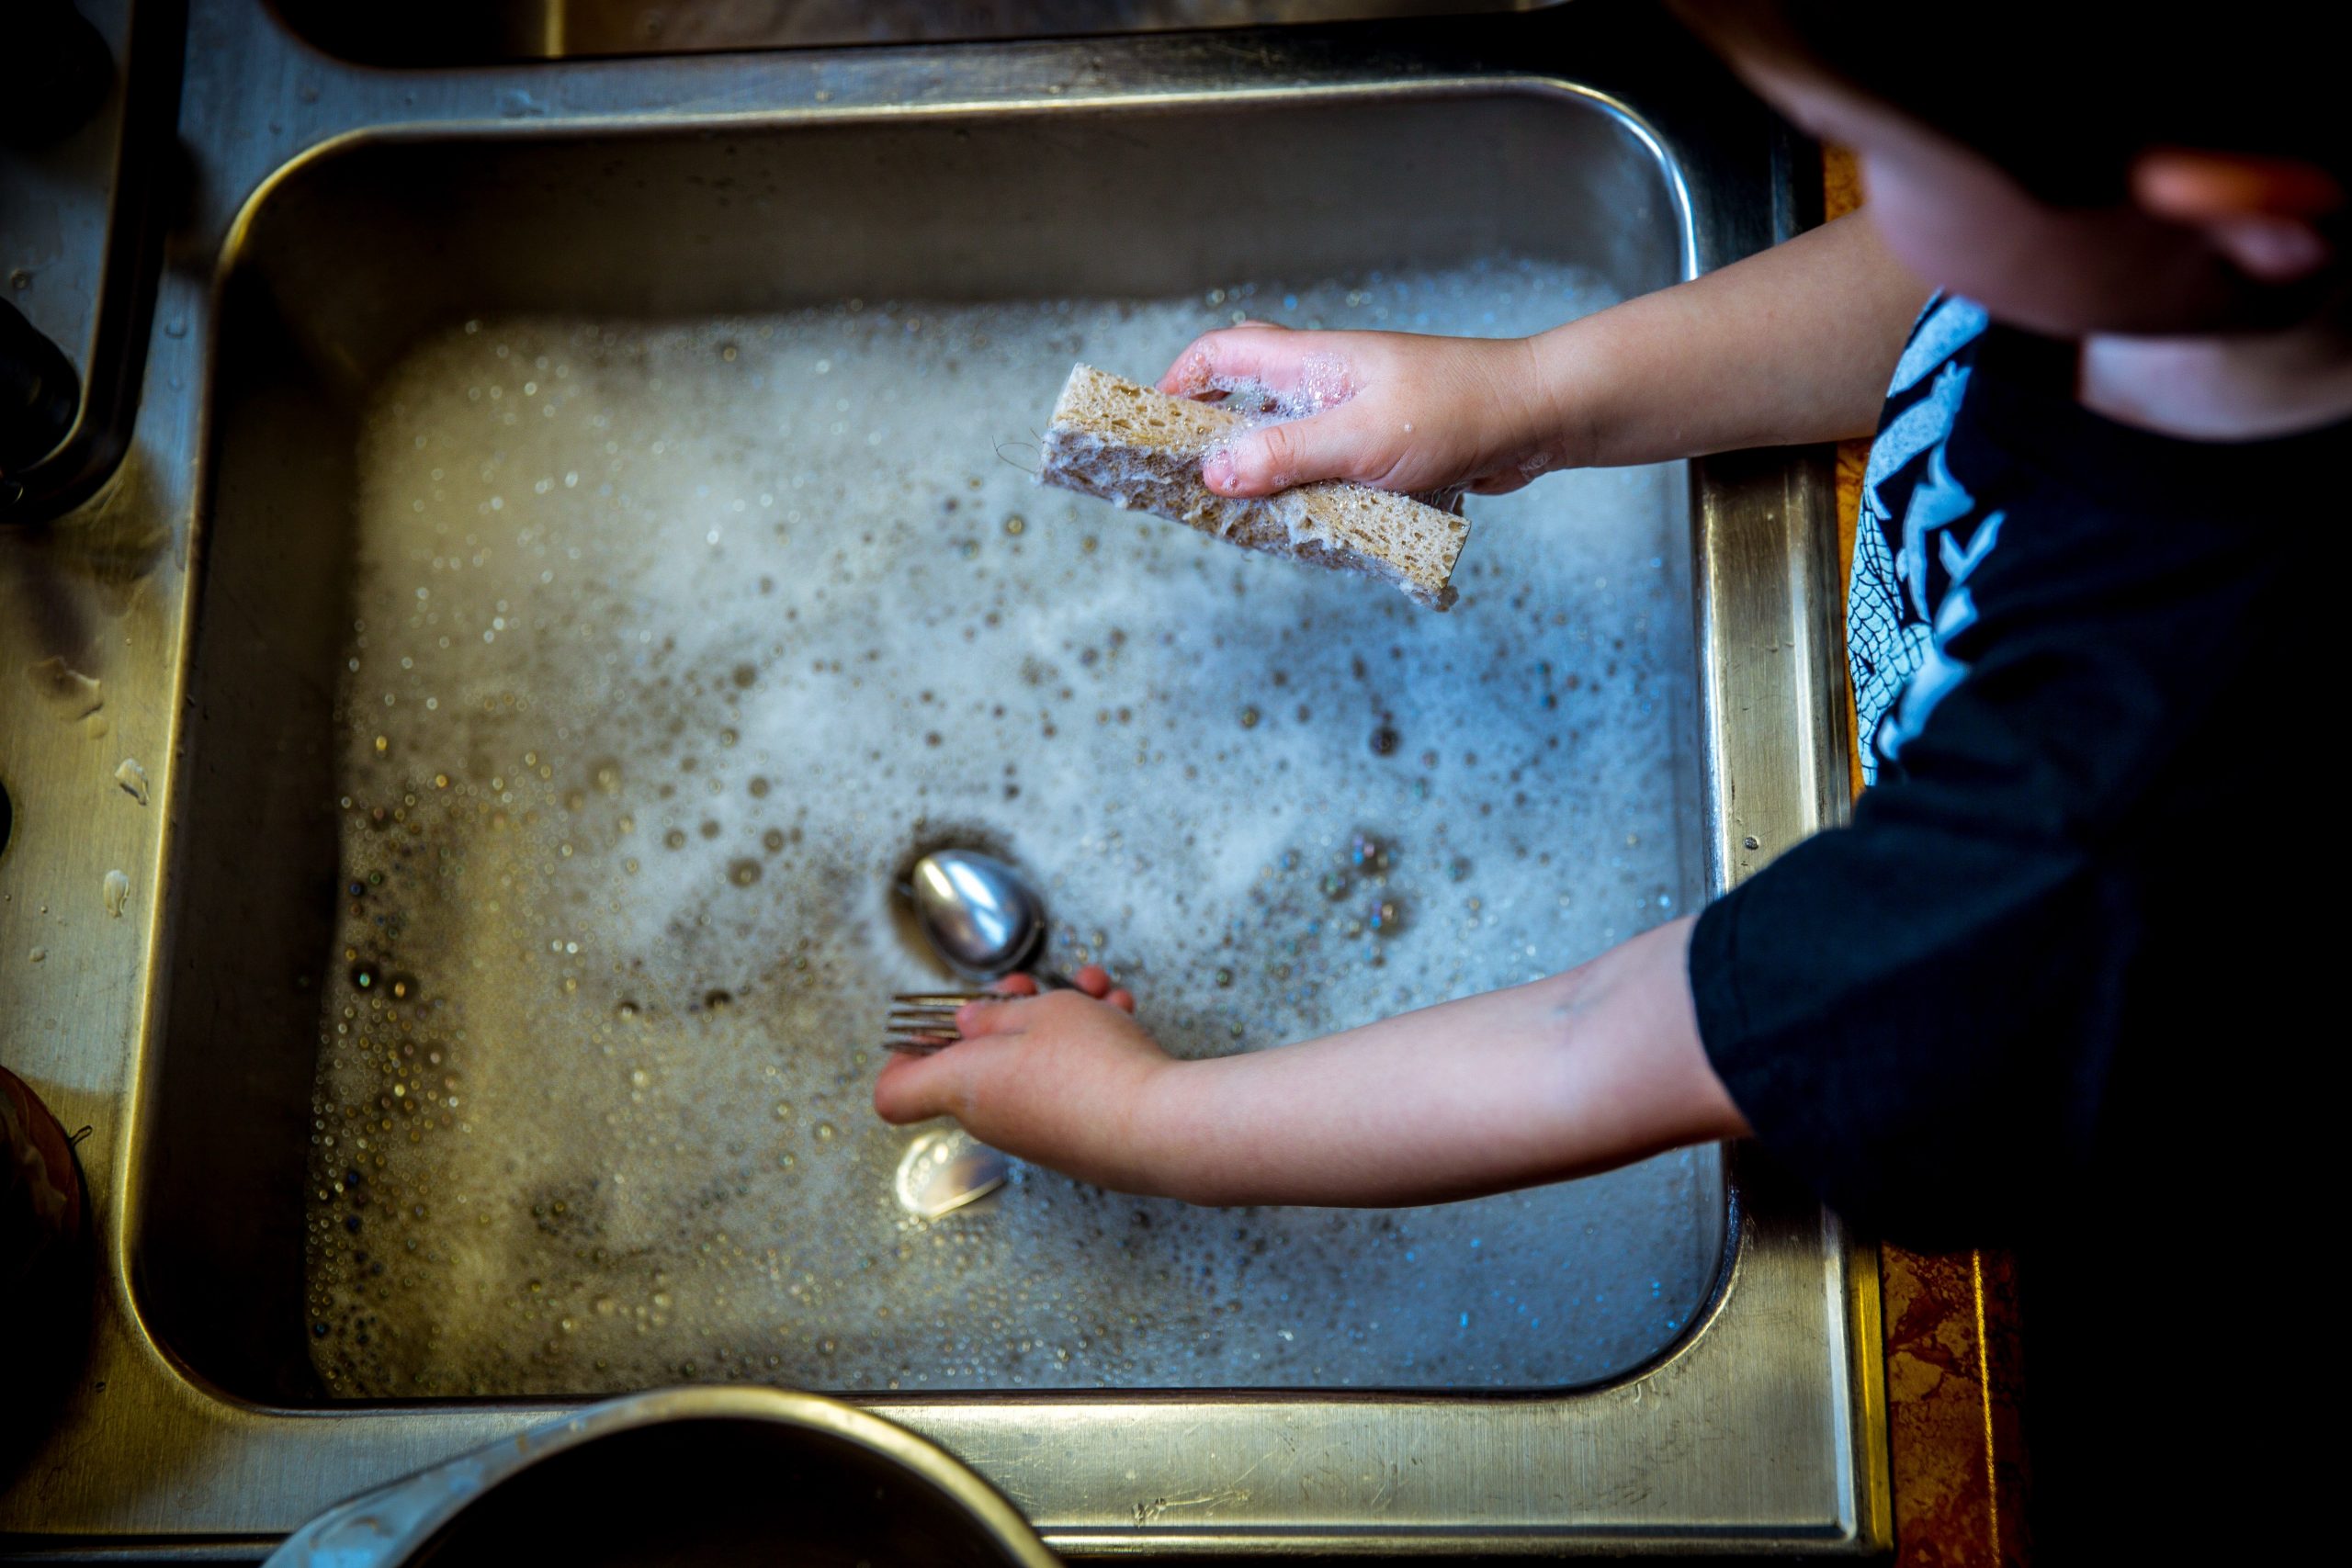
x: 920, y: 1023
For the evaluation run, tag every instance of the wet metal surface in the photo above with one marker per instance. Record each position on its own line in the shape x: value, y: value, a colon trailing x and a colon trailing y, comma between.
x: 192, y: 972
x: 666, y: 643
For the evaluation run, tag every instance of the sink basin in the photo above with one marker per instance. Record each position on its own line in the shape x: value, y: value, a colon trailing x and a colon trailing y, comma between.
x: 569, y: 503
x: 655, y: 573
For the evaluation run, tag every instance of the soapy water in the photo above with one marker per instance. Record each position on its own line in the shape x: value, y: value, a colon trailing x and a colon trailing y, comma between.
x: 672, y: 644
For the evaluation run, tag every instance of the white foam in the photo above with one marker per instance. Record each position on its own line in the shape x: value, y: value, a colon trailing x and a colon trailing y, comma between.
x: 617, y: 582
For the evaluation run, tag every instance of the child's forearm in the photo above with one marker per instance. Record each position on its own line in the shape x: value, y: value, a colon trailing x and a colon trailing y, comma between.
x: 1574, y: 1074
x: 1794, y: 344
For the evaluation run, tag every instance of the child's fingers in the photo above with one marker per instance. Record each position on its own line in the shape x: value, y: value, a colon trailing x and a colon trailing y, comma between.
x: 1017, y: 985
x: 911, y: 1088
x: 1327, y: 446
x: 1095, y: 981
x: 1254, y: 350
x: 975, y: 1019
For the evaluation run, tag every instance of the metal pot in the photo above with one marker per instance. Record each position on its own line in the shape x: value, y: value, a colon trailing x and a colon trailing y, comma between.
x: 685, y: 1477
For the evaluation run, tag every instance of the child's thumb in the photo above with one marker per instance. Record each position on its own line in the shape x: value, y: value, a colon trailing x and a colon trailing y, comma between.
x: 911, y: 1088
x: 1276, y: 456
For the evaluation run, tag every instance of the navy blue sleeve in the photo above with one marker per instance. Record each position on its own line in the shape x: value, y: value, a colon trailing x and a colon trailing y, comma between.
x: 2038, y: 932
x: 1911, y: 1010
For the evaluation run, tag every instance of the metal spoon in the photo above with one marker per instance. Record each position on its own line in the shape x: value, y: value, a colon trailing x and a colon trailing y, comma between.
x: 946, y: 1168
x: 979, y: 915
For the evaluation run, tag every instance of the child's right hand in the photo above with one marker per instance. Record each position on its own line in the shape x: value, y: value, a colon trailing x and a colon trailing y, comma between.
x: 1065, y: 1079
x: 1398, y: 411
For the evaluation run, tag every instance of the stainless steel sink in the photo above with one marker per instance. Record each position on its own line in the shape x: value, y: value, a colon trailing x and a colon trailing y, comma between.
x: 541, y: 686
x: 596, y: 734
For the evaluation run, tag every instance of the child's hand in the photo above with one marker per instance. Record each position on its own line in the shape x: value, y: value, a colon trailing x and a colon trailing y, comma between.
x: 1056, y: 1079
x: 1394, y: 410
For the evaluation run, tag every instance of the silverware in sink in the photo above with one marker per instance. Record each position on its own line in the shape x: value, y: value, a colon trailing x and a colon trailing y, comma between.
x: 979, y: 915
x: 922, y: 1022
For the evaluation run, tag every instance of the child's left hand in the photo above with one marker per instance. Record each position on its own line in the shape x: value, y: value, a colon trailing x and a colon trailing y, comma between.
x: 1060, y: 1078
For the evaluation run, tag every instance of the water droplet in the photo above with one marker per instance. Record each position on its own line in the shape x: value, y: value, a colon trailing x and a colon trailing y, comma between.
x: 773, y: 839
x: 626, y: 1010
x: 132, y: 778
x: 1225, y: 976
x: 743, y: 873
x: 37, y: 955
x: 1248, y: 718
x: 675, y: 838
x: 115, y: 891
x: 1015, y: 524
x: 1385, y: 741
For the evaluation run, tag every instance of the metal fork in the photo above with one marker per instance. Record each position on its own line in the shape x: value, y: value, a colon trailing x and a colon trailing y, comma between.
x: 924, y: 1022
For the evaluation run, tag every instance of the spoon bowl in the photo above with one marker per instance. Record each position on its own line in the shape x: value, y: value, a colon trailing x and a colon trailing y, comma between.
x: 979, y: 914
